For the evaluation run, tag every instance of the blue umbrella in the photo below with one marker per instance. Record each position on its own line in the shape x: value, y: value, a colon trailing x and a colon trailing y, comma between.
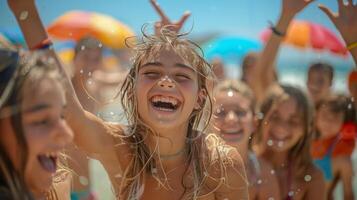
x: 14, y: 35
x: 231, y: 49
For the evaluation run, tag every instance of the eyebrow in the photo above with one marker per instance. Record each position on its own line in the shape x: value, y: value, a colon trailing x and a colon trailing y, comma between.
x: 179, y: 65
x: 40, y: 107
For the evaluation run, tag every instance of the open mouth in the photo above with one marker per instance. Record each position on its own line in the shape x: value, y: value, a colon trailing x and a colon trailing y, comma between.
x: 48, y: 161
x: 232, y: 135
x: 164, y: 103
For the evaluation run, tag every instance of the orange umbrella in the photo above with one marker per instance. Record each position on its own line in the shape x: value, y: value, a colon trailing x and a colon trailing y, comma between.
x: 303, y: 34
x: 75, y: 25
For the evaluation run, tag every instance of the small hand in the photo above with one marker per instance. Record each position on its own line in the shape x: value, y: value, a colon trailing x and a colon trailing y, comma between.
x: 345, y: 20
x: 166, y: 22
x: 292, y: 7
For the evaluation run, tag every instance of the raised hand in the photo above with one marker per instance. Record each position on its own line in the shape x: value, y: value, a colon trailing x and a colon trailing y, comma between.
x: 166, y: 22
x: 291, y: 7
x: 345, y: 20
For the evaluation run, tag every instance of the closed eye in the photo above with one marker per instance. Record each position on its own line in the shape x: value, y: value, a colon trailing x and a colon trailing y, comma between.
x: 152, y: 74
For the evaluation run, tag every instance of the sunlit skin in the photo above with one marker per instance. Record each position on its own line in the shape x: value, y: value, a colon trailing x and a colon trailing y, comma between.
x: 318, y: 85
x: 282, y: 129
x: 234, y: 121
x: 46, y: 131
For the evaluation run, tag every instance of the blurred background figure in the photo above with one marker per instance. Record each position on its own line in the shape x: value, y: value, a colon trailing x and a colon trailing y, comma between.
x: 319, y: 81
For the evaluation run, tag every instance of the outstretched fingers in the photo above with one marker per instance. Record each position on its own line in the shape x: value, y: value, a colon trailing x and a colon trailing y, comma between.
x: 328, y: 12
x: 161, y: 13
x: 183, y: 19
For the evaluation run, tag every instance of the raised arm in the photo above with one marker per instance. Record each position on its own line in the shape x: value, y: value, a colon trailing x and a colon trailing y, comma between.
x: 166, y: 22
x: 346, y: 23
x: 91, y: 133
x: 264, y: 70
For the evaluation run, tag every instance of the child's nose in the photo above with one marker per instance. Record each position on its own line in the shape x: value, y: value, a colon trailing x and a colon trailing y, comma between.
x: 231, y: 117
x: 64, y: 134
x: 166, y: 82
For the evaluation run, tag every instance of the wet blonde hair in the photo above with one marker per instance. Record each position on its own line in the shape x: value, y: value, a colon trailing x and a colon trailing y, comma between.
x: 143, y: 160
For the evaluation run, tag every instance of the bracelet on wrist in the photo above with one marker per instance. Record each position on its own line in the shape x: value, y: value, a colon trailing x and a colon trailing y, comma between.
x: 275, y: 30
x: 352, y: 46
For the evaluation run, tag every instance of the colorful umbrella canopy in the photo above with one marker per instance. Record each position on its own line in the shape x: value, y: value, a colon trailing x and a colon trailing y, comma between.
x: 65, y: 51
x: 77, y: 24
x: 304, y: 34
x: 14, y: 36
x: 231, y: 49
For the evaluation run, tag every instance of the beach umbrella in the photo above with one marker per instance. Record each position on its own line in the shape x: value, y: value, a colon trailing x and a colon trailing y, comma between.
x: 65, y: 51
x: 13, y: 35
x: 75, y: 25
x: 231, y: 49
x: 304, y: 34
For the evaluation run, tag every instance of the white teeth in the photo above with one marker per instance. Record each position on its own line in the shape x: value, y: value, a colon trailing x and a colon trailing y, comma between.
x: 171, y: 100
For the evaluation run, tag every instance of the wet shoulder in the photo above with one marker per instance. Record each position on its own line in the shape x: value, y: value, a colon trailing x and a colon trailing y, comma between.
x: 226, y: 173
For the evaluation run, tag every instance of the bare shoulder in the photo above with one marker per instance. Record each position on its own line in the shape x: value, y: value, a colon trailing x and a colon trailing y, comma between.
x: 314, y: 183
x: 226, y: 172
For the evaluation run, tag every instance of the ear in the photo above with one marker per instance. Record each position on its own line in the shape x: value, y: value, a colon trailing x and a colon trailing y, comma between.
x: 202, y: 95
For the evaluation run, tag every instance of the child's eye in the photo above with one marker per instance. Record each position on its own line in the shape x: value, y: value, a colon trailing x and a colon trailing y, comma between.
x: 43, y: 122
x: 182, y: 77
x: 152, y: 74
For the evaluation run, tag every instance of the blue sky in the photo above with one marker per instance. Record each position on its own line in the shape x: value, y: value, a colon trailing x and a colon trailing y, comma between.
x: 245, y: 18
x: 238, y: 17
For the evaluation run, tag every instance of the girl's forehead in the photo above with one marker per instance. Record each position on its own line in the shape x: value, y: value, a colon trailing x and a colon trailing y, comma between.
x: 168, y: 58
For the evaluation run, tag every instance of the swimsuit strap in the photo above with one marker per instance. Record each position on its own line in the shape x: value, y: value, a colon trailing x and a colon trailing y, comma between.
x: 333, y: 145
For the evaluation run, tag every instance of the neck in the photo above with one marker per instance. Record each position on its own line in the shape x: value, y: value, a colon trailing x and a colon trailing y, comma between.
x: 277, y: 159
x: 169, y: 144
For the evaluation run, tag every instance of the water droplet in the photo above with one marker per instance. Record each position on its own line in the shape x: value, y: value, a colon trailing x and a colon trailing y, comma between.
x: 259, y: 181
x: 81, y: 71
x: 90, y: 82
x: 280, y: 144
x: 307, y: 178
x: 291, y: 193
x: 83, y: 180
x: 272, y: 171
x: 270, y: 143
x: 23, y: 15
x: 230, y: 93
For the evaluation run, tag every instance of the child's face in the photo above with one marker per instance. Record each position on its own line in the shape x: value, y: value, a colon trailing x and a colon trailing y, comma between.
x: 283, y: 125
x: 88, y: 60
x: 318, y: 84
x: 328, y: 123
x: 167, y: 91
x: 233, y: 116
x: 46, y: 133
